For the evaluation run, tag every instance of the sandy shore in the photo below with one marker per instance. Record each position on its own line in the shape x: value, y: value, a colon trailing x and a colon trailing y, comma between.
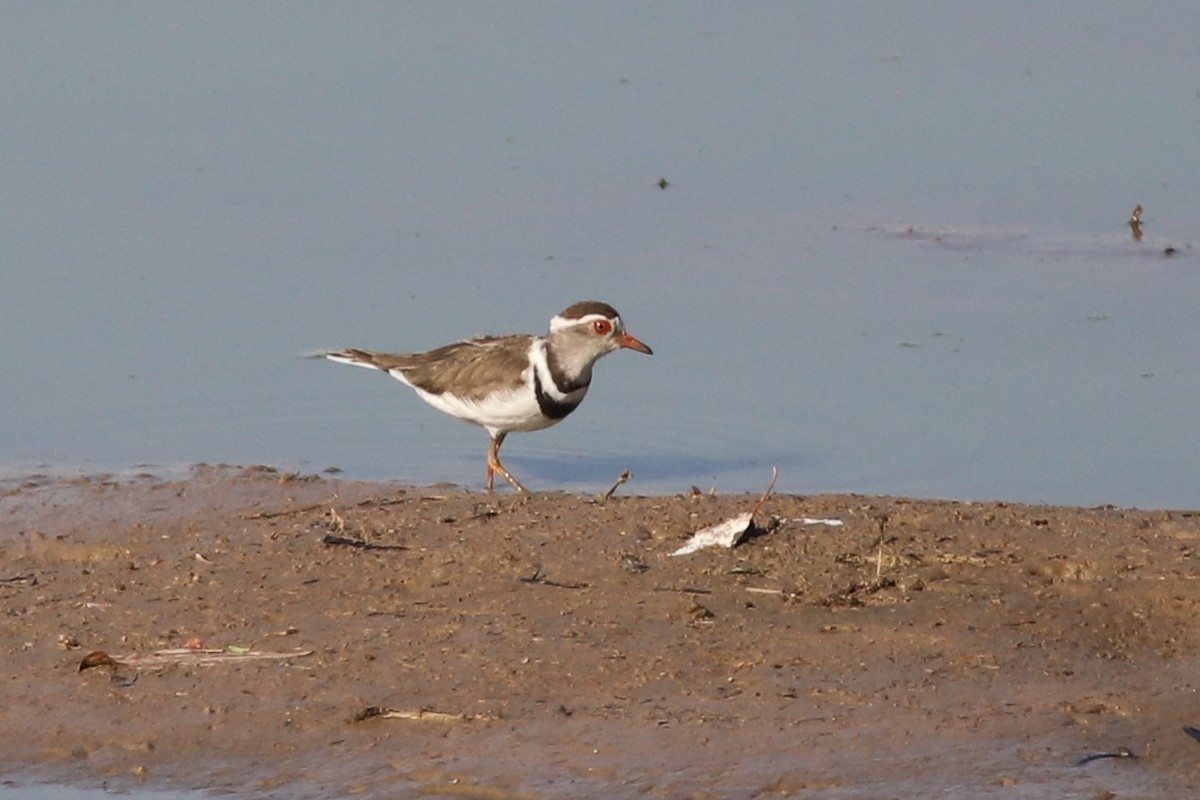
x: 482, y: 647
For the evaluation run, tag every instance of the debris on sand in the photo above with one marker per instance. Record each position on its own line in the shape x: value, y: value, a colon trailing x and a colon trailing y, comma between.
x: 1120, y: 752
x: 723, y: 534
x: 832, y: 523
x: 333, y: 540
x: 415, y: 715
x: 160, y: 659
x: 732, y: 531
x: 96, y: 658
x: 622, y: 478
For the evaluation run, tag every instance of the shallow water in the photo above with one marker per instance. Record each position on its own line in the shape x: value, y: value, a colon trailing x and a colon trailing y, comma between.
x: 1027, y: 770
x: 891, y: 255
x: 13, y: 790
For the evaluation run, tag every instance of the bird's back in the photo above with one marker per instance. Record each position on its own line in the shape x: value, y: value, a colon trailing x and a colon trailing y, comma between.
x: 470, y: 369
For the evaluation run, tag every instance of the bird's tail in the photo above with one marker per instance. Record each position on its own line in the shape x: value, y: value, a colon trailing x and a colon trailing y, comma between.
x: 351, y: 355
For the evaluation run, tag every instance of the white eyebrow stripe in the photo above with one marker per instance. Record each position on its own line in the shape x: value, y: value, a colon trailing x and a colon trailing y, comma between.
x: 557, y: 323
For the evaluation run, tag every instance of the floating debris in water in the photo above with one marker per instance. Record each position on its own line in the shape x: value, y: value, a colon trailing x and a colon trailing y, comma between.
x: 1135, y: 222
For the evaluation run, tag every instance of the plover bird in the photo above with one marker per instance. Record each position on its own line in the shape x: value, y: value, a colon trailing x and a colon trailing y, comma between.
x: 509, y: 383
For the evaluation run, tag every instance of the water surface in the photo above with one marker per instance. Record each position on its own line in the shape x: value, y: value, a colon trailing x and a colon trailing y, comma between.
x: 891, y: 254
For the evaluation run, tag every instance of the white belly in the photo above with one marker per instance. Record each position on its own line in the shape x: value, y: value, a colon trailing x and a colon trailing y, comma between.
x: 513, y: 410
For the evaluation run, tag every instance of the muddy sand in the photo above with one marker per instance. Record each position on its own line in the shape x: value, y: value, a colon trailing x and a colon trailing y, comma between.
x: 481, y: 647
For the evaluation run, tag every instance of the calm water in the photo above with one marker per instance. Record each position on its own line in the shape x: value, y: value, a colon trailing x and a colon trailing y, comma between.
x: 891, y: 256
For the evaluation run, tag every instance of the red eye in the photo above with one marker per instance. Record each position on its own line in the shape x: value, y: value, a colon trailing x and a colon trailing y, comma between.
x: 602, y: 326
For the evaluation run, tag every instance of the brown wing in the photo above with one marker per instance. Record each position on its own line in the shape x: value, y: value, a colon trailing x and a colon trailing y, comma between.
x: 470, y: 369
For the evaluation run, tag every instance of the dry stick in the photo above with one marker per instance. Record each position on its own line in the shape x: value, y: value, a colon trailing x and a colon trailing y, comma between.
x: 767, y: 493
x: 372, y: 501
x: 622, y: 478
x: 315, y: 507
x: 1120, y: 752
x: 160, y: 659
x: 418, y: 715
x: 331, y: 539
x: 880, y: 542
x: 286, y: 513
x: 537, y: 577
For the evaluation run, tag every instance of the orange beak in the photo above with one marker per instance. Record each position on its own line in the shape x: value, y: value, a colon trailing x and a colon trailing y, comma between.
x: 631, y: 343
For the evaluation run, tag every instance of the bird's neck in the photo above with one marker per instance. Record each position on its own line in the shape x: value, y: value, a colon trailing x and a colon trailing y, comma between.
x: 555, y: 367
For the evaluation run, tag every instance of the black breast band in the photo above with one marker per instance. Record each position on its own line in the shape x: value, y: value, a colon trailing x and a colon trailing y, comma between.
x: 554, y: 409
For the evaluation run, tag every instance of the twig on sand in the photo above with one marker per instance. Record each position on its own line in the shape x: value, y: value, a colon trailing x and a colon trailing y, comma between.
x: 392, y: 501
x: 537, y: 577
x: 160, y: 659
x: 417, y: 715
x: 1120, y: 752
x: 332, y: 540
x: 622, y: 478
x: 285, y: 513
x: 682, y: 589
x: 853, y: 594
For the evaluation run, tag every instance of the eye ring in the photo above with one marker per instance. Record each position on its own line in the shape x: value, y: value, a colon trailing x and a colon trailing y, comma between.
x: 602, y: 327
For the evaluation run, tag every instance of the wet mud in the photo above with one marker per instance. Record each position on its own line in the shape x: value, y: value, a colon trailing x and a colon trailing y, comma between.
x: 312, y: 637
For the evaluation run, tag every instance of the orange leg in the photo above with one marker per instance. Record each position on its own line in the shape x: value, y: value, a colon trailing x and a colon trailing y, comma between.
x: 495, y: 466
